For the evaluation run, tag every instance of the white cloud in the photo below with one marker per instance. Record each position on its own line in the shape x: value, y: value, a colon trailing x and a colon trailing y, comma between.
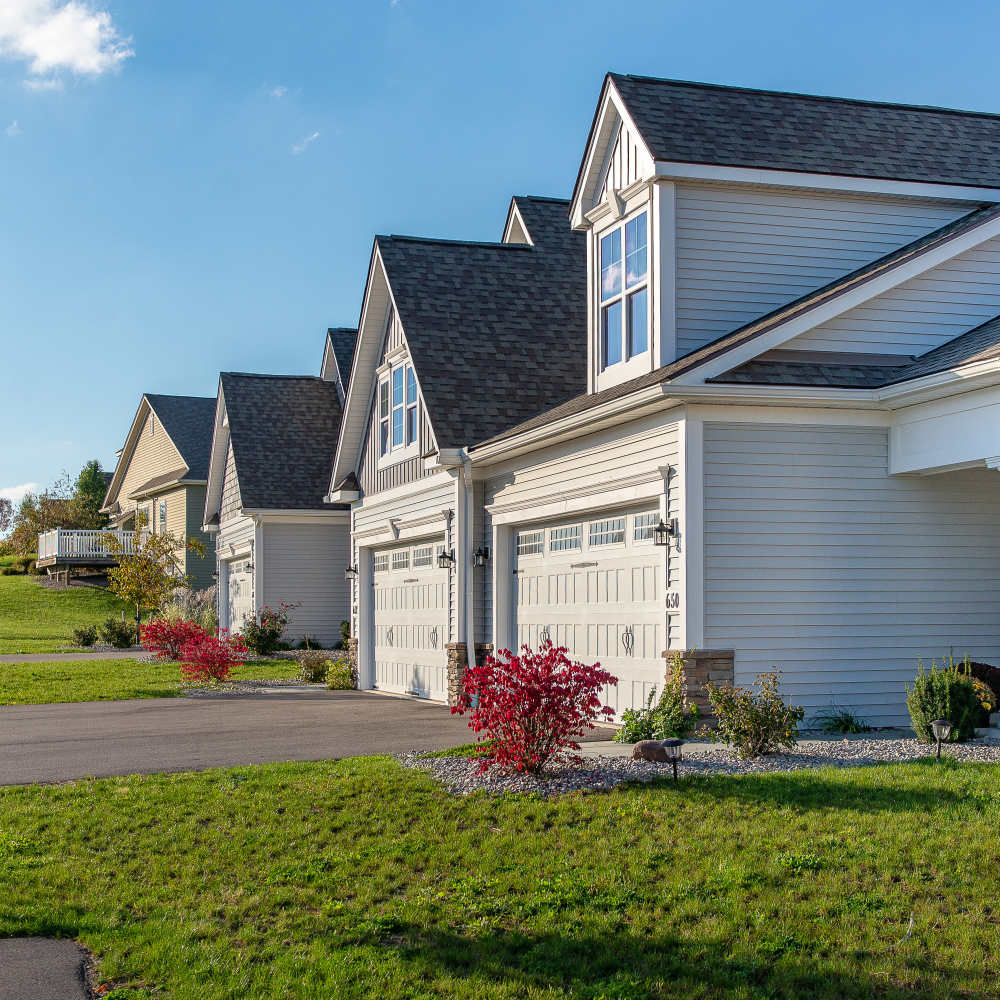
x: 43, y: 83
x: 13, y: 129
x: 14, y: 493
x: 301, y: 147
x: 278, y: 91
x: 53, y: 37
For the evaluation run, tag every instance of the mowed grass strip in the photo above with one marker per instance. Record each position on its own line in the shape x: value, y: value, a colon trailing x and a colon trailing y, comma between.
x: 111, y: 680
x: 361, y: 879
x: 35, y: 619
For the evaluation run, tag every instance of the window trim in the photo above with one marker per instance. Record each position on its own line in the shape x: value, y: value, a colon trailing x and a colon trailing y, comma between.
x: 622, y: 297
x: 388, y: 452
x: 591, y: 544
x: 654, y: 516
x: 533, y: 553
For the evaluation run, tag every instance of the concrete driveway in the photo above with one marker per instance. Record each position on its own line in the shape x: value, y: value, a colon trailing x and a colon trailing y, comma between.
x: 50, y: 743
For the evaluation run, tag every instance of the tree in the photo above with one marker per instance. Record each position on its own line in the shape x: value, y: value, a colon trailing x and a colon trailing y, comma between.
x: 6, y: 516
x: 89, y: 495
x: 148, y: 570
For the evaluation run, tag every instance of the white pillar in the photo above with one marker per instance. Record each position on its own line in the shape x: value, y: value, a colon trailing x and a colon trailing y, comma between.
x: 504, y: 636
x: 366, y: 619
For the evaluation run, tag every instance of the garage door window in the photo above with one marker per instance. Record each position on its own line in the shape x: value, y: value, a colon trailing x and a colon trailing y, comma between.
x: 566, y: 539
x: 530, y: 543
x: 642, y: 527
x: 608, y: 532
x: 423, y: 557
x: 401, y: 560
x: 382, y: 563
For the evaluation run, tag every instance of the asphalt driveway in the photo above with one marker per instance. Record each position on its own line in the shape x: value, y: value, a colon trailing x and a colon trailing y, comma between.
x: 49, y: 743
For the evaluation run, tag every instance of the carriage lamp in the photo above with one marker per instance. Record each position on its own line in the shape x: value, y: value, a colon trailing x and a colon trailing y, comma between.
x: 351, y: 573
x: 941, y: 728
x: 446, y: 560
x: 481, y: 556
x: 662, y: 533
x: 673, y: 751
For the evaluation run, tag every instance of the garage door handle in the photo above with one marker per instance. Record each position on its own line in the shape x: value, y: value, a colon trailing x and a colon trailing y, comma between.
x: 628, y: 641
x: 388, y: 636
x: 581, y: 565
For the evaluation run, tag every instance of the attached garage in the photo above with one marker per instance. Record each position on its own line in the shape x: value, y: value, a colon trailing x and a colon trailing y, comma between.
x: 411, y: 620
x: 240, y: 593
x: 598, y: 587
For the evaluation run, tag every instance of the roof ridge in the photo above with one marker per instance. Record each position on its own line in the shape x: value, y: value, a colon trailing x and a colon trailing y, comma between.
x: 540, y: 197
x: 172, y: 395
x: 824, y: 98
x: 477, y: 244
x: 342, y: 329
x: 314, y: 378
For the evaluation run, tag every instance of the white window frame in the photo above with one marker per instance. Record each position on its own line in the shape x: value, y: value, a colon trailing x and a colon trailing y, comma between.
x: 390, y: 453
x: 381, y: 562
x: 527, y: 549
x: 161, y: 516
x: 606, y: 526
x: 568, y: 533
x: 423, y: 556
x: 401, y: 559
x: 630, y: 365
x: 644, y: 521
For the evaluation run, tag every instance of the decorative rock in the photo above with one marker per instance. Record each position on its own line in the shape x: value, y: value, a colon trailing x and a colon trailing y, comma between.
x: 651, y: 750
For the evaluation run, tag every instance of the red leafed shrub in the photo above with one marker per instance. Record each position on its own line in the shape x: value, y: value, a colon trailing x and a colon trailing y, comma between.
x: 167, y: 638
x: 211, y: 659
x: 531, y: 706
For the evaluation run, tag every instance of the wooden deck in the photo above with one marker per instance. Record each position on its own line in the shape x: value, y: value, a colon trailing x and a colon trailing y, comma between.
x: 63, y: 548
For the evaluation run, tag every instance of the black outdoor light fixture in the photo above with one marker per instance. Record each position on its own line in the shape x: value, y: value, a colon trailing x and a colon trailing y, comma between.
x: 351, y: 573
x: 481, y: 556
x: 673, y: 752
x: 446, y: 560
x: 662, y: 533
x: 942, y: 730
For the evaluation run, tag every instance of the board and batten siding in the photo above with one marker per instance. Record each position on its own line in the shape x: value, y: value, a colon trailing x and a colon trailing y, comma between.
x: 820, y: 564
x: 920, y: 314
x: 230, y: 506
x: 744, y: 251
x: 627, y: 162
x: 304, y: 564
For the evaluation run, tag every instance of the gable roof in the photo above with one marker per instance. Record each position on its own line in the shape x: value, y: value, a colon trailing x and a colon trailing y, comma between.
x: 546, y: 222
x: 283, y: 430
x: 188, y: 422
x: 689, y: 122
x: 342, y: 340
x: 758, y: 327
x: 497, y: 332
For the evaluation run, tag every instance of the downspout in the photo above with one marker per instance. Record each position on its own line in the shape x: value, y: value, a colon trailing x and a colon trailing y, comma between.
x: 466, y: 556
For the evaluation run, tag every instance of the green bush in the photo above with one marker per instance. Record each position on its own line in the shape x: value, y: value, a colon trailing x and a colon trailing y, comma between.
x: 671, y: 716
x: 85, y: 635
x: 263, y: 636
x: 312, y: 666
x: 341, y: 675
x: 945, y: 692
x: 754, y: 721
x: 118, y: 633
x: 308, y: 642
x: 9, y: 571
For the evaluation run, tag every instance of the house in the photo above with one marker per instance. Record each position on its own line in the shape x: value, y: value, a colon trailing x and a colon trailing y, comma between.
x: 276, y: 538
x: 159, y: 479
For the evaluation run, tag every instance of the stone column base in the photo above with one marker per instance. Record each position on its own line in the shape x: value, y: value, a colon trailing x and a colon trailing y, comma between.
x: 458, y: 661
x: 700, y: 666
x: 351, y: 652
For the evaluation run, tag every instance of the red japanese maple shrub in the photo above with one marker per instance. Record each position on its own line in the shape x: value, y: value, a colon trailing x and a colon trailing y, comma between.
x: 211, y: 659
x: 532, y: 706
x: 167, y: 638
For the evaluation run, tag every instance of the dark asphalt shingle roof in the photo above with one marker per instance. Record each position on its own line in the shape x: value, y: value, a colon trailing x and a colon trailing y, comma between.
x: 759, y: 327
x: 283, y: 430
x: 735, y: 126
x: 547, y: 223
x: 157, y: 481
x: 497, y: 332
x: 189, y: 421
x: 342, y: 340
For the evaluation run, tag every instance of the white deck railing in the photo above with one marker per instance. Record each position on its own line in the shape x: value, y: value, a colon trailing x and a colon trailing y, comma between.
x: 65, y: 543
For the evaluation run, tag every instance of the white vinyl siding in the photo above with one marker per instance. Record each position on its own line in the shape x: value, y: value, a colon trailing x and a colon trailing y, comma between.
x: 919, y: 314
x: 820, y: 564
x: 743, y: 251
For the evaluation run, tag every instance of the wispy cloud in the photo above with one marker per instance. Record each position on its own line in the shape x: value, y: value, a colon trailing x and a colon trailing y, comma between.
x: 301, y: 147
x: 278, y: 91
x: 45, y: 83
x: 14, y: 493
x: 55, y: 37
x: 13, y: 129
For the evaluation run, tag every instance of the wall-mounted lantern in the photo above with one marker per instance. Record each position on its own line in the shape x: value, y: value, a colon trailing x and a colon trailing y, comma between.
x: 481, y: 556
x: 351, y: 573
x: 446, y: 560
x: 662, y: 533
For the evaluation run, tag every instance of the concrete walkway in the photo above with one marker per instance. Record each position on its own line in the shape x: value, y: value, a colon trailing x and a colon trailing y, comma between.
x: 41, y: 969
x: 50, y: 743
x: 108, y: 654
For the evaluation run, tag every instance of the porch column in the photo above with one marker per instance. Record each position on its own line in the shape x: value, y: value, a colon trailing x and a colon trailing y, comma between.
x: 366, y: 619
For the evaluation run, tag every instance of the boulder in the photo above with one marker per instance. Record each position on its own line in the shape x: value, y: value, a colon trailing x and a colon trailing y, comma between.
x: 651, y: 750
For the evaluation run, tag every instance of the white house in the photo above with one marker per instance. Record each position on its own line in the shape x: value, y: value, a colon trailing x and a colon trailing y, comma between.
x: 276, y: 538
x: 770, y: 322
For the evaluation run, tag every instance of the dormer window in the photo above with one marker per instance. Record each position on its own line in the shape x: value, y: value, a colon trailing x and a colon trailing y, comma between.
x: 624, y: 292
x: 397, y: 409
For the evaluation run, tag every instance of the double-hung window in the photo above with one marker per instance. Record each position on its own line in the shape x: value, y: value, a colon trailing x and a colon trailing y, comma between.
x: 624, y: 292
x: 397, y: 409
x: 163, y: 516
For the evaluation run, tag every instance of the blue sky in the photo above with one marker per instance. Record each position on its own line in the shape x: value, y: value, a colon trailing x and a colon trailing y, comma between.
x: 194, y: 187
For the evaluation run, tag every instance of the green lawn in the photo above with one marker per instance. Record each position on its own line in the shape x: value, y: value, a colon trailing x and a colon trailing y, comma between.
x: 34, y: 619
x: 110, y: 680
x: 360, y: 879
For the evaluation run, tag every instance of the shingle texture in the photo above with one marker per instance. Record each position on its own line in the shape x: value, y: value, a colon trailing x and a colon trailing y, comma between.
x: 497, y: 332
x: 733, y: 126
x: 189, y: 421
x: 343, y: 339
x: 283, y: 431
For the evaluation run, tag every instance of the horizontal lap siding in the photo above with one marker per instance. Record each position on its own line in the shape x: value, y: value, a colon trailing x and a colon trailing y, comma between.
x: 820, y: 564
x: 154, y: 455
x: 305, y: 563
x: 919, y: 314
x: 742, y: 252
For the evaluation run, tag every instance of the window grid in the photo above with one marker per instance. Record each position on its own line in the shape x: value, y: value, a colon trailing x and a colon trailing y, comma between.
x: 401, y: 560
x: 607, y: 532
x: 569, y: 539
x: 163, y: 515
x: 642, y: 526
x: 623, y: 293
x: 382, y: 562
x: 423, y: 557
x: 530, y: 543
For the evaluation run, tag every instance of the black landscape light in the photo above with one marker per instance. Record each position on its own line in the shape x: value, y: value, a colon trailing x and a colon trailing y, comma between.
x: 673, y: 752
x: 942, y: 730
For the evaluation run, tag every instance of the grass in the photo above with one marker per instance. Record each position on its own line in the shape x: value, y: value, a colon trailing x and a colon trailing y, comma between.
x: 35, y: 619
x: 360, y: 879
x: 110, y: 680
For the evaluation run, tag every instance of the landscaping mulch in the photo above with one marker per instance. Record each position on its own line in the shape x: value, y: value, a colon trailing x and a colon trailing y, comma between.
x: 459, y: 774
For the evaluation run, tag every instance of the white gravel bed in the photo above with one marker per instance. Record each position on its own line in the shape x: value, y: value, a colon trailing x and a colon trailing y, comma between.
x: 458, y: 774
x: 245, y: 687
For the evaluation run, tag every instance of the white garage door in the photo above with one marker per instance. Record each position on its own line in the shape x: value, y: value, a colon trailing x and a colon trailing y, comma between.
x: 411, y: 621
x: 240, y: 593
x: 597, y: 586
